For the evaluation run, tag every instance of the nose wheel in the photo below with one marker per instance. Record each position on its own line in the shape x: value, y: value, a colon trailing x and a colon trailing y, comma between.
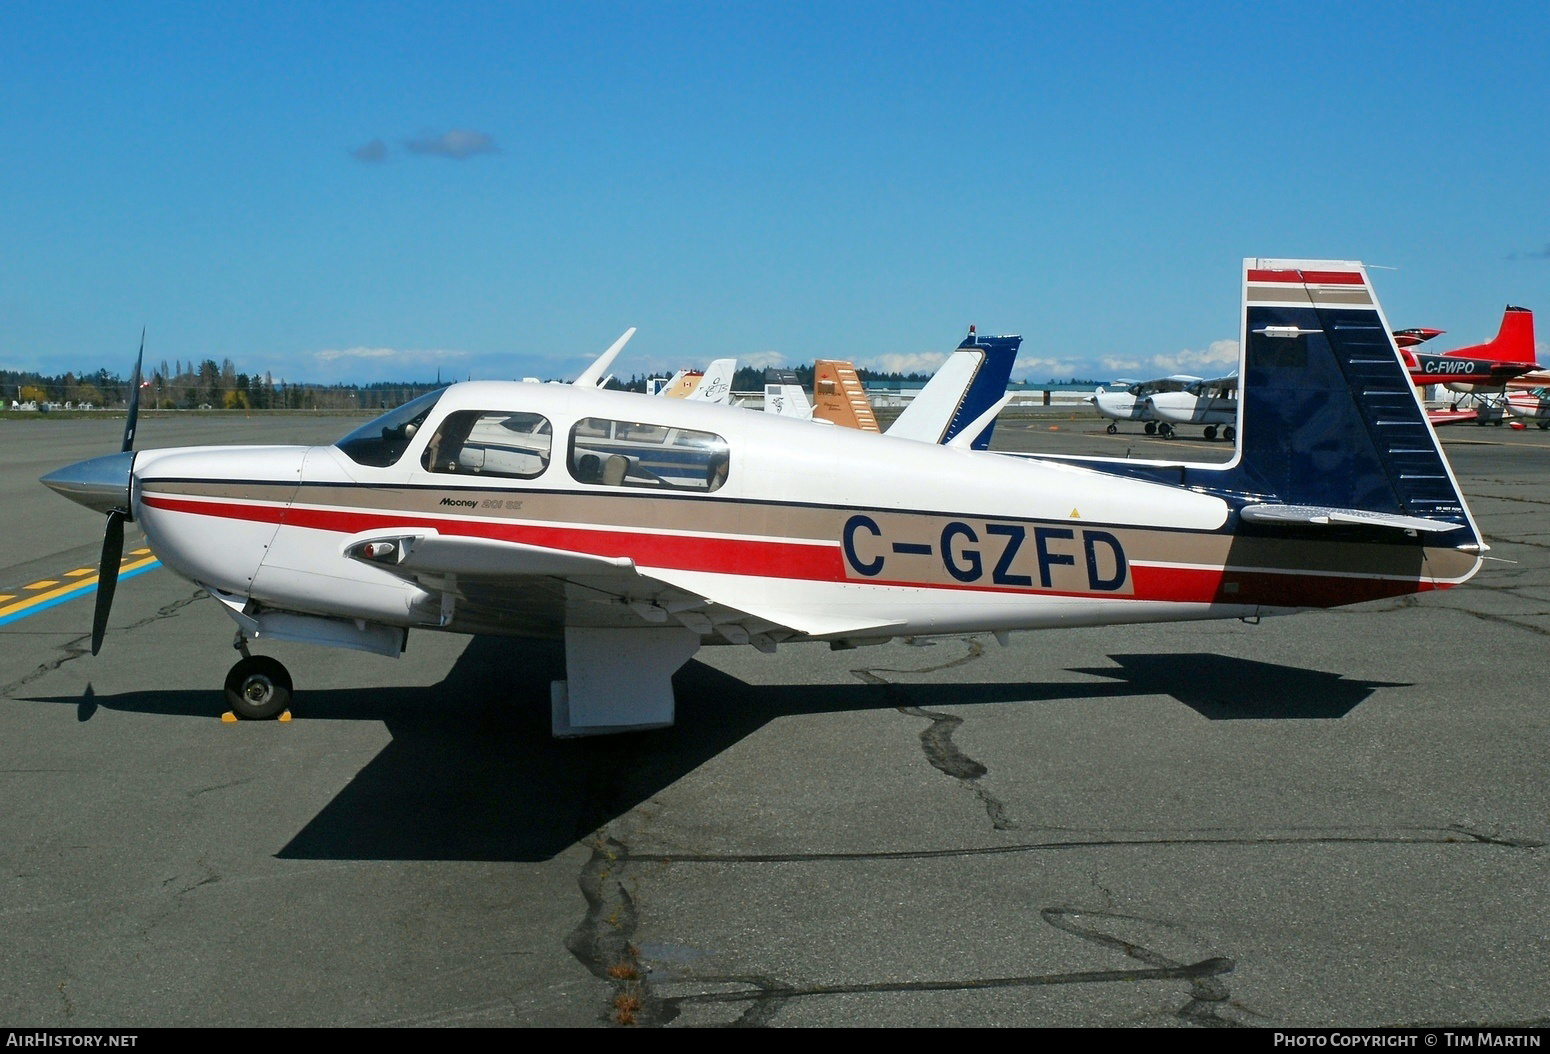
x: 258, y: 688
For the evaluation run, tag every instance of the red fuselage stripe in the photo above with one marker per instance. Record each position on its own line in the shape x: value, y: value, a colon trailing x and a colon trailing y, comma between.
x: 818, y: 563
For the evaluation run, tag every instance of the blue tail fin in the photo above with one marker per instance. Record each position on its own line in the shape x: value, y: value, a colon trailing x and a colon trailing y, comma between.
x: 1331, y: 431
x: 1328, y: 415
x: 988, y: 386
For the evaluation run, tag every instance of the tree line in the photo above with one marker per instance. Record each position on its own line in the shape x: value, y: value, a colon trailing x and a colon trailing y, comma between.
x: 211, y: 385
x: 205, y: 385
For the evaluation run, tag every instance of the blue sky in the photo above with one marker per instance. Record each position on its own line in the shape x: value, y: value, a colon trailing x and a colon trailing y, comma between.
x: 370, y: 192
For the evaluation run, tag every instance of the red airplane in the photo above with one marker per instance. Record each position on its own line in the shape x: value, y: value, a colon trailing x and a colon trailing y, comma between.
x: 1481, y: 372
x: 1481, y: 368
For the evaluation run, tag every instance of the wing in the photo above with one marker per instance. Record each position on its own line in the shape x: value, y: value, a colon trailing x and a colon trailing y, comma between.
x: 512, y: 589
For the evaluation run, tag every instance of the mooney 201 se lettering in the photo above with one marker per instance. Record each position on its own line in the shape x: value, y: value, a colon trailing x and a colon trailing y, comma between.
x: 639, y: 529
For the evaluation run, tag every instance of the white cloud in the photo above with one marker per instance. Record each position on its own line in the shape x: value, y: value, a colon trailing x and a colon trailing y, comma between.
x: 918, y: 362
x: 762, y: 360
x: 1219, y: 358
x: 1039, y: 369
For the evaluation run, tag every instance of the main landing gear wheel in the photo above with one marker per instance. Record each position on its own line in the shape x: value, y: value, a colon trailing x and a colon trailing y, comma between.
x: 1151, y: 428
x: 1210, y: 431
x: 1165, y: 430
x: 1113, y: 428
x: 258, y: 688
x: 1544, y: 425
x: 1229, y: 433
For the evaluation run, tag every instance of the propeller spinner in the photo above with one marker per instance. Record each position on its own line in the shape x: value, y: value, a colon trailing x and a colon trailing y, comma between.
x: 104, y: 484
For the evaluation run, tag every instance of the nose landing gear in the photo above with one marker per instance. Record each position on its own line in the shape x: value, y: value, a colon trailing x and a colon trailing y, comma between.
x: 258, y: 687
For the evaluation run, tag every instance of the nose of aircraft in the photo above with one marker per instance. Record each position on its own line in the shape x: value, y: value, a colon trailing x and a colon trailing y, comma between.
x: 100, y: 483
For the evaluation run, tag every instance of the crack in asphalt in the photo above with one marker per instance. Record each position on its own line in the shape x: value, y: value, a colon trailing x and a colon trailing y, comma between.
x: 1207, y: 993
x: 79, y: 646
x: 604, y: 942
x: 604, y: 939
x: 1459, y: 835
x: 936, y: 739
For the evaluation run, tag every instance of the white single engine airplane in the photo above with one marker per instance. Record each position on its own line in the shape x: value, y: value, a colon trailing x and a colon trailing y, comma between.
x: 639, y: 529
x: 1532, y: 405
x: 1213, y: 403
x: 1131, y: 404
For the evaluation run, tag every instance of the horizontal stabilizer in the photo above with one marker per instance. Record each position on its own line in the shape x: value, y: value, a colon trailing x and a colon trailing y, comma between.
x: 965, y: 438
x: 1320, y: 516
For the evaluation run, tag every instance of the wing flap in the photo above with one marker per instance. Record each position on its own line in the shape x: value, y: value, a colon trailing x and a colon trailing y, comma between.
x: 528, y: 586
x: 1321, y: 516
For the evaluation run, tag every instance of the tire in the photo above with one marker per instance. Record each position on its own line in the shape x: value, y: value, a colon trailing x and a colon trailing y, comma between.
x: 1113, y: 428
x: 1165, y: 430
x: 1229, y: 433
x: 1210, y: 431
x: 1151, y: 428
x: 258, y: 688
x: 1544, y: 425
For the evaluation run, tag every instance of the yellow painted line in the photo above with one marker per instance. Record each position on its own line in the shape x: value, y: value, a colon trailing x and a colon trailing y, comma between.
x: 141, y: 552
x: 79, y: 571
x: 43, y: 584
x: 79, y: 585
x: 7, y: 596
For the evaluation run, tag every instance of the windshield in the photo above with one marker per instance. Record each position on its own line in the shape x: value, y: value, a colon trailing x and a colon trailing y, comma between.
x: 382, y: 441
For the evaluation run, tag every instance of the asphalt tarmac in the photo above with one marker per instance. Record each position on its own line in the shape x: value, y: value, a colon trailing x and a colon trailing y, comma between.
x: 1332, y: 818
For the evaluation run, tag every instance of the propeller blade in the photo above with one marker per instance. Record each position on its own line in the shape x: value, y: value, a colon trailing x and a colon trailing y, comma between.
x: 107, y: 577
x: 134, y: 408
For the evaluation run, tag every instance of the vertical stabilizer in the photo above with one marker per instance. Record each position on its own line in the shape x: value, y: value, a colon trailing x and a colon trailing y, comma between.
x: 1327, y: 414
x: 784, y: 397
x: 716, y: 383
x: 1514, y: 341
x: 968, y: 384
x: 682, y: 384
x: 839, y: 397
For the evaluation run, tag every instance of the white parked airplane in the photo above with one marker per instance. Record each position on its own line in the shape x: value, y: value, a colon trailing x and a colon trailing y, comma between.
x: 1213, y: 403
x: 1532, y: 405
x: 1131, y: 405
x: 639, y: 529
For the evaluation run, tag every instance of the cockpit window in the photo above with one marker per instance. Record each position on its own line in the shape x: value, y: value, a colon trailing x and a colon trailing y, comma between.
x: 490, y: 443
x: 632, y: 454
x: 383, y: 440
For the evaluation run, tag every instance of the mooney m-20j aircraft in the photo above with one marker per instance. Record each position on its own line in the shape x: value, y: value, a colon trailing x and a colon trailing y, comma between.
x: 639, y: 529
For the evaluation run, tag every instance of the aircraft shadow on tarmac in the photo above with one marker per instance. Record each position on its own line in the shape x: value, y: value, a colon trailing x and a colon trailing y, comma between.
x: 472, y: 772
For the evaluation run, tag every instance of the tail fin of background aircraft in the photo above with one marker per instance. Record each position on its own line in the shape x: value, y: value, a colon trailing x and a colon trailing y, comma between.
x: 968, y: 384
x: 716, y: 384
x: 1328, y: 418
x: 783, y: 395
x: 1514, y: 342
x: 838, y: 396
